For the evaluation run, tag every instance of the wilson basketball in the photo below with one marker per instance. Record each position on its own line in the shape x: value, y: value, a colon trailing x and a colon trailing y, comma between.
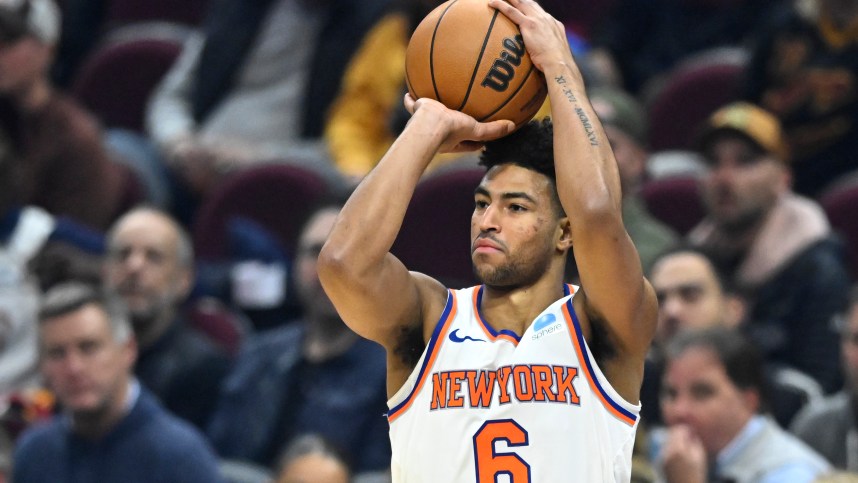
x: 471, y: 58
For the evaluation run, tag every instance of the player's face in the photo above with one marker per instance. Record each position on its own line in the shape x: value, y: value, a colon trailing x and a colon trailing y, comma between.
x: 313, y: 297
x: 143, y: 265
x: 514, y: 227
x: 689, y: 295
x: 697, y: 392
x: 84, y: 365
x: 742, y: 184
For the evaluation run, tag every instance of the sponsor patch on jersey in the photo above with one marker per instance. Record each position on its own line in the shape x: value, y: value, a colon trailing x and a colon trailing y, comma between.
x: 546, y: 325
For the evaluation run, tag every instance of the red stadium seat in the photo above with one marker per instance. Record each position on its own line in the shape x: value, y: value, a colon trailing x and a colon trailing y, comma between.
x: 675, y: 201
x: 434, y: 238
x: 840, y: 204
x: 690, y: 93
x: 116, y: 80
x: 276, y: 196
x: 223, y: 326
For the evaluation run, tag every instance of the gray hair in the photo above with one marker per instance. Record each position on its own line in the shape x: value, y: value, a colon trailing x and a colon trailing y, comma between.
x: 68, y: 297
x: 184, y: 244
x: 312, y: 443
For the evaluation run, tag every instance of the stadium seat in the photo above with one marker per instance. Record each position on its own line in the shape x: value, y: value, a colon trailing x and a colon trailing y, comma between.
x: 840, y: 203
x: 434, y: 238
x: 116, y: 80
x: 275, y: 196
x: 675, y: 201
x: 690, y: 93
x: 225, y: 327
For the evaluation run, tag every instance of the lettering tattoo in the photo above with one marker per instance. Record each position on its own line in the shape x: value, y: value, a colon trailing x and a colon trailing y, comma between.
x: 588, y: 128
x: 582, y: 115
x: 566, y: 91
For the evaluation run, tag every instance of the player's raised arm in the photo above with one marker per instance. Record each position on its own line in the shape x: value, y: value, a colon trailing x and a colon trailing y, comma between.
x: 372, y: 290
x: 617, y: 297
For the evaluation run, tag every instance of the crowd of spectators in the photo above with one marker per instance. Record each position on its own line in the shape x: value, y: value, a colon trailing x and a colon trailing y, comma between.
x: 757, y: 337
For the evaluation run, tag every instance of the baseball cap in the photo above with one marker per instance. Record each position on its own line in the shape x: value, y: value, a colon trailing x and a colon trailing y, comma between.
x: 619, y: 109
x: 753, y: 123
x: 39, y: 18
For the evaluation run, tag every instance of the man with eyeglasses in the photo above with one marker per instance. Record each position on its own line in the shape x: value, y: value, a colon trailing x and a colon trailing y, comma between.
x: 839, y: 441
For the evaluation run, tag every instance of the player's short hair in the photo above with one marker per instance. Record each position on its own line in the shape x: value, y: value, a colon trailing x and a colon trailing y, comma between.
x: 530, y: 147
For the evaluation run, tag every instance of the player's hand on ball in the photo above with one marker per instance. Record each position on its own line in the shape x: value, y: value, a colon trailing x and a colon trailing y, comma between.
x: 544, y: 36
x: 463, y: 132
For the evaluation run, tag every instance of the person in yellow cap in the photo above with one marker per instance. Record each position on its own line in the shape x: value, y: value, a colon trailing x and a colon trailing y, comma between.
x: 774, y: 245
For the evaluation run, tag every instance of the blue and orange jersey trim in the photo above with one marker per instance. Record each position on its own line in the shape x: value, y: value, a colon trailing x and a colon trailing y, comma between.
x: 569, y: 289
x: 438, y: 336
x: 491, y: 333
x: 577, y: 336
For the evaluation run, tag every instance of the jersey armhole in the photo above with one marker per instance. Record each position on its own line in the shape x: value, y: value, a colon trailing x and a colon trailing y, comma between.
x: 418, y: 376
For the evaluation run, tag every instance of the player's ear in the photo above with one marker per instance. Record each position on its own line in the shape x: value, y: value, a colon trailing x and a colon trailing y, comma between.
x: 564, y: 234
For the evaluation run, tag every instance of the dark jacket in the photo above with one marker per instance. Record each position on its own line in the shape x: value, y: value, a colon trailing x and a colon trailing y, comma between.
x: 793, y: 313
x: 184, y: 370
x: 273, y: 394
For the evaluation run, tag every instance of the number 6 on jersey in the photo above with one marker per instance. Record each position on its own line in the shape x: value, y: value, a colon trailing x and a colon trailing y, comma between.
x: 490, y: 464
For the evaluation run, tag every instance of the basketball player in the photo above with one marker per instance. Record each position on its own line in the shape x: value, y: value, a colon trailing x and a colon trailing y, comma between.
x: 523, y: 378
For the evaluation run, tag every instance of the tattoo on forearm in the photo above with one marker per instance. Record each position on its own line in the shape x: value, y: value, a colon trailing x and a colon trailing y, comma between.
x: 588, y: 128
x: 582, y: 115
x: 566, y: 91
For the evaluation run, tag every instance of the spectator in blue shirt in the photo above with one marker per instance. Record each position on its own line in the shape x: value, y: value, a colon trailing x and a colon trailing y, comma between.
x: 111, y: 430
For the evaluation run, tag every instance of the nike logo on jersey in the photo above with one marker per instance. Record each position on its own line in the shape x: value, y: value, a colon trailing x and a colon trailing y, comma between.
x: 456, y: 338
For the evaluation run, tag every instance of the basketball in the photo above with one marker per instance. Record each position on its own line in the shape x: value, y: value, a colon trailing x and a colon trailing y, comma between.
x: 471, y: 58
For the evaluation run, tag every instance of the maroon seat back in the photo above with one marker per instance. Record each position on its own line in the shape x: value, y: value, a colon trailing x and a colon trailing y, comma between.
x: 435, y: 235
x: 689, y: 95
x: 675, y: 201
x: 117, y: 79
x: 276, y: 196
x: 225, y: 327
x: 841, y: 206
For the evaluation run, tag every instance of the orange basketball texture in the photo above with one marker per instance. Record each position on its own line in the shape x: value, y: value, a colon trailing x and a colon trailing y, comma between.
x: 471, y: 58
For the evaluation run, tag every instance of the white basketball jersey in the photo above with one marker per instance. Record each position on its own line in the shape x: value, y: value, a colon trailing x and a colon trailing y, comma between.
x: 485, y: 406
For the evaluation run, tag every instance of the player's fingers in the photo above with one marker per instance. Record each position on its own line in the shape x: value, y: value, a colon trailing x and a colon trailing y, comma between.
x: 527, y: 7
x: 492, y: 130
x: 409, y: 103
x: 466, y: 147
x: 505, y: 7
